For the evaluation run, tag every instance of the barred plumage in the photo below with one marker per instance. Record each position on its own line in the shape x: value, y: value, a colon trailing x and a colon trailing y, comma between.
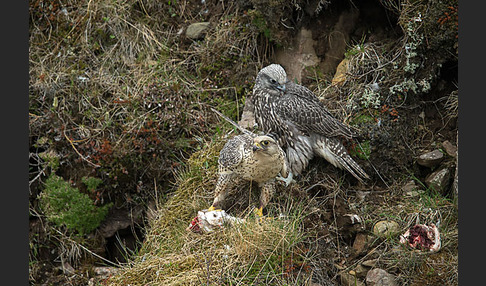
x: 253, y: 158
x: 302, y: 124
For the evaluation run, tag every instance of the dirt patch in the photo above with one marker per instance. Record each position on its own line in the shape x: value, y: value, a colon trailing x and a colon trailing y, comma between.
x: 299, y: 56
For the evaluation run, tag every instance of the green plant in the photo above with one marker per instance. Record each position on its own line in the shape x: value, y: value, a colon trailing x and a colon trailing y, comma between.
x: 91, y: 183
x: 172, y: 5
x: 354, y: 50
x: 361, y: 150
x: 261, y: 24
x: 51, y: 158
x: 370, y: 98
x: 363, y: 119
x: 65, y: 206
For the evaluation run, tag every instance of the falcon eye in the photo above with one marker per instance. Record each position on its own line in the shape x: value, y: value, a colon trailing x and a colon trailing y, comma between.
x: 273, y: 81
x: 265, y: 142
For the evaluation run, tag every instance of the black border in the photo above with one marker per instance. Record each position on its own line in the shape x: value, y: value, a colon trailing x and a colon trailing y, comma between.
x: 471, y: 143
x: 15, y: 144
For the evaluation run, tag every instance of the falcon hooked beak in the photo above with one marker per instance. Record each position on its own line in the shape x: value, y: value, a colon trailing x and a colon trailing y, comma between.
x: 278, y: 84
x: 257, y: 146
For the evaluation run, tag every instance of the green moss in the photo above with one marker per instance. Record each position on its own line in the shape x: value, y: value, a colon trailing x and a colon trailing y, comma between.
x: 363, y: 119
x: 91, y: 183
x: 361, y: 150
x: 65, y: 206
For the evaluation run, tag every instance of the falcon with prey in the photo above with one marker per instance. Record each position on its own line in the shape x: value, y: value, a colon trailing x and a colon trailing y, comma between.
x: 302, y: 124
x: 253, y: 158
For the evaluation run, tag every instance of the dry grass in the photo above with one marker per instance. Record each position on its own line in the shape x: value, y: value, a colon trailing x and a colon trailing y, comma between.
x: 310, y: 243
x: 452, y: 104
x: 370, y: 75
x: 269, y: 251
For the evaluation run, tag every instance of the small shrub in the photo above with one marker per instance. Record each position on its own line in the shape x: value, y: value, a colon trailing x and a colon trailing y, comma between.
x: 51, y: 158
x: 65, y: 206
x: 91, y: 183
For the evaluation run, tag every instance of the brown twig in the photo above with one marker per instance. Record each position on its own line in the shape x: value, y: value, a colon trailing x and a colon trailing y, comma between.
x: 80, y: 155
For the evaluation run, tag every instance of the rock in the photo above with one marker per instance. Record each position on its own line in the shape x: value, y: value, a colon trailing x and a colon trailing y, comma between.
x: 455, y: 183
x: 197, y: 30
x: 299, y: 55
x: 359, y: 244
x: 410, y: 186
x: 349, y: 280
x: 379, y: 277
x: 247, y: 116
x: 370, y: 263
x: 361, y: 271
x: 386, y: 228
x: 333, y: 49
x: 450, y: 149
x: 438, y: 180
x: 118, y: 219
x: 413, y: 194
x: 430, y: 159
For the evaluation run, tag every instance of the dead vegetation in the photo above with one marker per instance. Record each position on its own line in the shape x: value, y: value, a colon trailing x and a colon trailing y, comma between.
x: 117, y: 92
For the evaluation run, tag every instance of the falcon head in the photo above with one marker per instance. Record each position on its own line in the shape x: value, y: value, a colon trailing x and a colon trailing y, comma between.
x: 265, y: 144
x: 272, y: 78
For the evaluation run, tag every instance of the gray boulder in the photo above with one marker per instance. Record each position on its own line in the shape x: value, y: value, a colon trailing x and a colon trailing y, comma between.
x: 379, y: 277
x: 439, y: 180
x: 431, y: 159
x: 197, y: 30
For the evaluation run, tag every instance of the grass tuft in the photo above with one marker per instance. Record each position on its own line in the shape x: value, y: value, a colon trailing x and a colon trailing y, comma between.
x: 257, y: 251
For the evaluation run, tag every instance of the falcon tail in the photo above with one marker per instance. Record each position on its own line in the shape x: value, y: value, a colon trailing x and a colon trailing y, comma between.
x: 352, y: 167
x: 334, y: 152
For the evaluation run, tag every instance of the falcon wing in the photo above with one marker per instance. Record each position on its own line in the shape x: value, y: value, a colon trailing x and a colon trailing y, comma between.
x: 232, y: 152
x: 300, y: 106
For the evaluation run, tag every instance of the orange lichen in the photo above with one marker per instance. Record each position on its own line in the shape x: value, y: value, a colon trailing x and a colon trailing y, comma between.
x: 450, y: 16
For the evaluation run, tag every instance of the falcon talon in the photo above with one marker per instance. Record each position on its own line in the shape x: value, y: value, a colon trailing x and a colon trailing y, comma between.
x: 259, y: 212
x: 287, y: 180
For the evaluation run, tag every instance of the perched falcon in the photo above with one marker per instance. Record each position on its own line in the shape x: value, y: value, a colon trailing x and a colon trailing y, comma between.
x: 259, y: 159
x: 302, y: 124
